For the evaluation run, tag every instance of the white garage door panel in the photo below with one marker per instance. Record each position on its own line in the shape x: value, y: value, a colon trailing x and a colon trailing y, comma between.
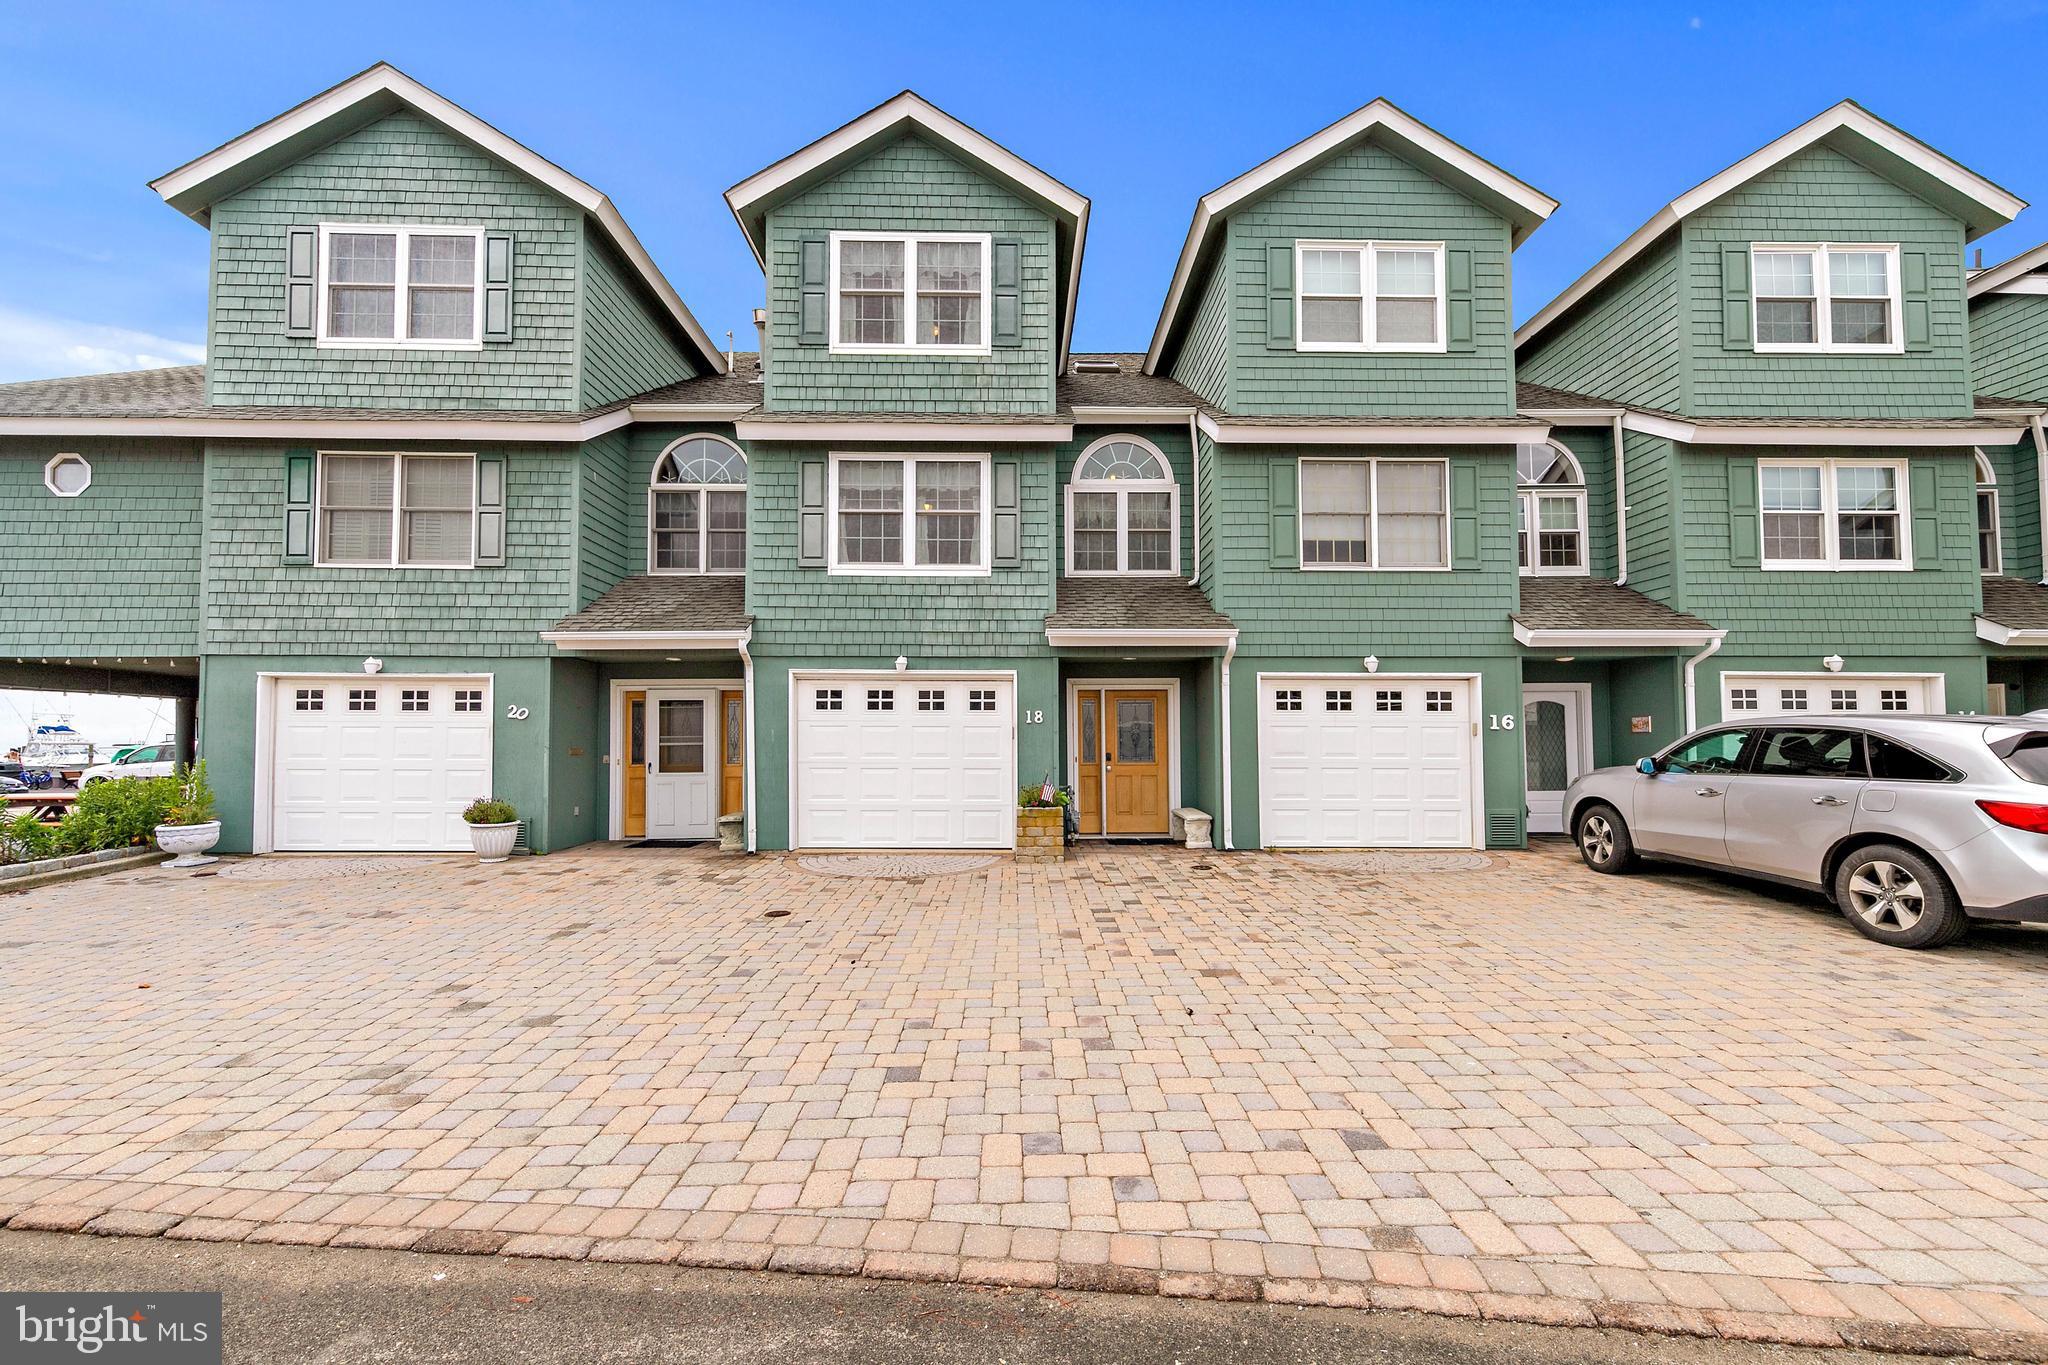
x: 924, y: 772
x: 1383, y: 771
x: 1819, y: 694
x: 378, y: 779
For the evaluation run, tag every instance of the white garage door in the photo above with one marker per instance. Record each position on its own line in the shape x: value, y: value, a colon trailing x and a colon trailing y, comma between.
x: 377, y: 763
x: 1366, y: 762
x: 905, y: 761
x: 1748, y: 694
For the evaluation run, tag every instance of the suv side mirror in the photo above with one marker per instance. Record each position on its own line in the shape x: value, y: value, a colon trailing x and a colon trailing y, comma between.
x: 1647, y: 767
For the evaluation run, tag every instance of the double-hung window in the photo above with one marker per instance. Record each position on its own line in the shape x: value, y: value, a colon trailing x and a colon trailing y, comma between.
x: 401, y: 286
x: 1826, y: 298
x: 697, y: 508
x: 911, y: 293
x: 921, y: 514
x: 1375, y: 514
x: 1369, y: 296
x: 1834, y: 514
x: 1990, y: 556
x: 1123, y: 510
x: 386, y: 511
x: 1550, y: 510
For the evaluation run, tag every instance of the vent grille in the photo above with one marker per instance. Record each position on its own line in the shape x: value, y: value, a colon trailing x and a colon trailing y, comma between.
x: 520, y: 845
x: 1503, y: 829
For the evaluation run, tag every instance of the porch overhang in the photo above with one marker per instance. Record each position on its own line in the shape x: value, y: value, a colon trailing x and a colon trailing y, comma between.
x: 1763, y: 432
x: 2017, y: 637
x: 1615, y: 639
x: 899, y: 432
x: 1059, y: 637
x: 1393, y: 432
x: 645, y: 641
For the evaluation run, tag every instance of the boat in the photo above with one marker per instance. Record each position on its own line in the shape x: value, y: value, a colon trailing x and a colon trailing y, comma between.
x: 54, y: 746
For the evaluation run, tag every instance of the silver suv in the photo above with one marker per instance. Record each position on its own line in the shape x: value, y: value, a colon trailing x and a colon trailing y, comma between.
x: 1914, y: 825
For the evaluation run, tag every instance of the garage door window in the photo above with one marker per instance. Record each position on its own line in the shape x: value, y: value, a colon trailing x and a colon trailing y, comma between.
x: 362, y: 699
x: 383, y: 511
x: 309, y: 699
x: 1374, y: 514
x: 910, y: 515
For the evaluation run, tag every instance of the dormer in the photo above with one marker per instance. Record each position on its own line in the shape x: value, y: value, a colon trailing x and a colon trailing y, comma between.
x: 912, y: 265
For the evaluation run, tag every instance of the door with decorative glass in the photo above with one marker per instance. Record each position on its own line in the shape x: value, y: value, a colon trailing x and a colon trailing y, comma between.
x: 1554, y: 751
x: 682, y: 767
x: 1121, y: 764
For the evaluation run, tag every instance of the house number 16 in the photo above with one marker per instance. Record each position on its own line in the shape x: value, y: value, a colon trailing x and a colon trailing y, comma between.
x: 1497, y: 721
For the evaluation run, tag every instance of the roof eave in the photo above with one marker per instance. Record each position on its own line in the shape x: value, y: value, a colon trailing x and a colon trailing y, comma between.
x: 1991, y: 279
x: 1677, y: 638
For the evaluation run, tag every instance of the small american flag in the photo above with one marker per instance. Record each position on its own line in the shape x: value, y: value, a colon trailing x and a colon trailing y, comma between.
x: 1045, y: 792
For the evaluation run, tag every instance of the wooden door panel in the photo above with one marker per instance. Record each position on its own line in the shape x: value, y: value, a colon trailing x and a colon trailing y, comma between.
x: 634, y: 775
x: 1088, y: 760
x: 732, y: 753
x: 1137, y: 749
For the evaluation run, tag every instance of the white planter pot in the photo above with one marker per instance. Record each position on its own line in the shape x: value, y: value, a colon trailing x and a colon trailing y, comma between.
x: 188, y: 842
x: 494, y: 842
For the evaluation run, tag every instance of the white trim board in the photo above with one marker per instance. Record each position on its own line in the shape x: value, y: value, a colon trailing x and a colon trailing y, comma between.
x: 1524, y: 206
x: 1083, y: 637
x: 1997, y: 206
x: 1614, y: 639
x: 1070, y: 732
x: 1991, y: 631
x: 912, y: 433
x: 1762, y: 432
x: 1280, y: 432
x: 607, y: 641
x: 193, y: 187
x: 2007, y: 275
x: 423, y: 427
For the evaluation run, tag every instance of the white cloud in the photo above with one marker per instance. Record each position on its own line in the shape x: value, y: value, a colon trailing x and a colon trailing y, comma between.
x: 35, y: 346
x: 105, y: 720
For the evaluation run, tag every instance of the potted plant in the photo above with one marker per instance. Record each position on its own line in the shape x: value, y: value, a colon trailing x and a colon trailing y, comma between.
x: 493, y: 828
x: 189, y: 827
x: 1042, y: 823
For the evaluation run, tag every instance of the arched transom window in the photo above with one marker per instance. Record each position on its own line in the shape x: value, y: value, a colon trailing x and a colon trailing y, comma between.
x: 1123, y: 510
x: 1990, y: 558
x: 697, y: 508
x: 1550, y: 510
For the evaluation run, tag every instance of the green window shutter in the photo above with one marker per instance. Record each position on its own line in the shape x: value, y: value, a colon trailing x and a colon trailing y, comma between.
x: 1926, y: 494
x: 1283, y: 495
x: 1458, y: 301
x: 298, y: 507
x: 497, y: 286
x: 1280, y: 297
x: 1006, y: 326
x: 813, y: 318
x: 1745, y: 523
x: 301, y: 246
x: 1735, y: 330
x: 490, y: 511
x: 810, y: 549
x: 1464, y: 516
x: 1913, y: 294
x: 1007, y: 515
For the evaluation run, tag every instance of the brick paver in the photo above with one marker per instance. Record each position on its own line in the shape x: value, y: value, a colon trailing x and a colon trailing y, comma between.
x: 1521, y: 1091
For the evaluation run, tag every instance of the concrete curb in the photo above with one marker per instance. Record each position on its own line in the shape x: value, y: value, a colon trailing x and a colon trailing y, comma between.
x: 1910, y: 1339
x: 48, y: 871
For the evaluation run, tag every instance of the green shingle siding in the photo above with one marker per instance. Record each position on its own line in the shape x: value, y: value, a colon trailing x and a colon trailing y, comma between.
x: 2009, y: 346
x: 1592, y: 447
x: 1822, y: 195
x: 907, y: 186
x: 1623, y: 345
x: 1368, y: 193
x: 626, y: 349
x: 401, y: 169
x: 1654, y: 566
x: 2019, y: 507
x: 112, y: 572
x: 1172, y: 442
x: 256, y: 604
x: 606, y: 504
x: 1203, y: 361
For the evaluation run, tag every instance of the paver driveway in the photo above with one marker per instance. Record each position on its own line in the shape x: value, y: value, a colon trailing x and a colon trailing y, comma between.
x: 1520, y: 1090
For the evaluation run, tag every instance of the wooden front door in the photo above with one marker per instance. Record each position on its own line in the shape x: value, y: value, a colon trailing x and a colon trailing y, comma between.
x: 732, y: 766
x: 1121, y: 760
x: 634, y: 825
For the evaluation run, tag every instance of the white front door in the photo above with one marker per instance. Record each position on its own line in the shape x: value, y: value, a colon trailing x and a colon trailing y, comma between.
x: 682, y: 768
x: 905, y: 760
x: 377, y: 762
x: 1744, y: 695
x: 1554, y: 751
x: 1357, y: 761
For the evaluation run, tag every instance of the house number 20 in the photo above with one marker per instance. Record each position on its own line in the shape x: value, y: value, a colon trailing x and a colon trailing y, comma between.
x: 1498, y: 721
x: 516, y: 713
x: 1034, y: 717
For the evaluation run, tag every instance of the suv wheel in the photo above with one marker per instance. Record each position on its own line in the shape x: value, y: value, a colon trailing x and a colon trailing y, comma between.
x: 1603, y: 839
x: 1896, y: 897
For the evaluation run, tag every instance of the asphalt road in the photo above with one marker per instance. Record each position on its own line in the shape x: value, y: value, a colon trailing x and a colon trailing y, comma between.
x: 320, y: 1307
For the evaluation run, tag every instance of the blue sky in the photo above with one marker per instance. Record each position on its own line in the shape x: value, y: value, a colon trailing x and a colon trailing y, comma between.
x: 1613, y: 109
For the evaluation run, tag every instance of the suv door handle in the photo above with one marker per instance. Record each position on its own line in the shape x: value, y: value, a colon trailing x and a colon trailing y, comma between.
x: 1706, y: 791
x: 1829, y: 801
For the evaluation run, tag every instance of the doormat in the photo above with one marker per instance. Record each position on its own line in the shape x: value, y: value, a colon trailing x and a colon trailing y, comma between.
x: 668, y: 843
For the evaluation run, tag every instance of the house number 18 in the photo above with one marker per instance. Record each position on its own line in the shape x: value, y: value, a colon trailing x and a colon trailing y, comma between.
x: 1498, y: 721
x: 1034, y: 717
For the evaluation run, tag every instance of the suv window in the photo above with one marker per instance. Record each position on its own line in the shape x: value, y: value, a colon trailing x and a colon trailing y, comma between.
x: 2030, y: 759
x: 1891, y: 761
x: 1810, y: 753
x: 1719, y: 752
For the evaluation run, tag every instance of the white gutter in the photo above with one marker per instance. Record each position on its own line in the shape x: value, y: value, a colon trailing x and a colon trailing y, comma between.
x: 583, y: 641
x: 1229, y: 653
x: 1613, y: 639
x: 1692, y: 706
x: 1282, y: 432
x: 1195, y: 482
x: 1103, y: 414
x: 1080, y: 637
x: 1620, y: 505
x: 747, y: 719
x: 421, y: 428
x: 2041, y: 482
x: 1994, y: 633
x: 834, y: 429
x: 1764, y: 433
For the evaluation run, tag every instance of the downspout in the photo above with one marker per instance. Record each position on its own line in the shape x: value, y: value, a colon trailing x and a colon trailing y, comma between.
x: 1223, y: 692
x: 1620, y: 508
x: 747, y: 719
x: 1195, y: 479
x: 1692, y: 696
x: 2041, y: 486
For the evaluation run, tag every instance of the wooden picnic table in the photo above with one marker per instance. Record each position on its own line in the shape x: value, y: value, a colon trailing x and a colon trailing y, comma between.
x: 44, y: 805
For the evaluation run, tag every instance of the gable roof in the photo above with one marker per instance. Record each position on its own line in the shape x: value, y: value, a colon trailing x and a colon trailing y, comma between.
x: 1892, y: 153
x: 195, y: 187
x: 1524, y: 206
x: 753, y: 198
x: 1993, y: 278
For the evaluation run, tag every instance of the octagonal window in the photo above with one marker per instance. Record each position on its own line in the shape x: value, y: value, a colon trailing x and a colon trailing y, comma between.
x: 67, y: 475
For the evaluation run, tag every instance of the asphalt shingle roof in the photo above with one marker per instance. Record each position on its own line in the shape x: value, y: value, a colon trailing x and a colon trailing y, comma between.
x: 1133, y: 604
x: 2016, y: 603
x: 1596, y: 604
x: 1128, y: 387
x: 131, y: 393
x: 666, y: 602
x: 1541, y: 397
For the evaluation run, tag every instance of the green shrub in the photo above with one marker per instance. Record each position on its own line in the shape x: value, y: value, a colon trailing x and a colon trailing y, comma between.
x: 193, y: 804
x: 489, y: 810
x: 130, y: 807
x: 23, y: 839
x: 82, y: 831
